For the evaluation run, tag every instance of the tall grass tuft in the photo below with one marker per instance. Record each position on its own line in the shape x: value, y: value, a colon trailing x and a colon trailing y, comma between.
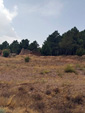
x: 70, y: 69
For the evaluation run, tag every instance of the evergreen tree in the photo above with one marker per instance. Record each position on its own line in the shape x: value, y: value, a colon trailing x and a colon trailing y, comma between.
x: 24, y: 43
x: 34, y: 46
x: 15, y: 47
x: 5, y: 45
x: 52, y: 43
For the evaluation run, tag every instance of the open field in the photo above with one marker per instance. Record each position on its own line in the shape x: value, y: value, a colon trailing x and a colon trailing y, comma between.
x: 52, y: 84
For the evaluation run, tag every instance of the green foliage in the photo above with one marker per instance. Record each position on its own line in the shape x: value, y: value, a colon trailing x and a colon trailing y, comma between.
x: 71, y: 42
x: 15, y: 47
x: 6, y: 53
x: 27, y: 59
x: 51, y: 45
x: 70, y: 69
x: 4, y: 45
x: 46, y: 50
x: 80, y: 52
x: 34, y: 46
x: 24, y: 43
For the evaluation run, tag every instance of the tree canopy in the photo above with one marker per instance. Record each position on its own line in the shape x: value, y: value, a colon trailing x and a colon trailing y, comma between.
x: 71, y: 42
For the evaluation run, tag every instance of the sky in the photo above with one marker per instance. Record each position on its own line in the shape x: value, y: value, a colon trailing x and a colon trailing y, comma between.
x: 37, y: 19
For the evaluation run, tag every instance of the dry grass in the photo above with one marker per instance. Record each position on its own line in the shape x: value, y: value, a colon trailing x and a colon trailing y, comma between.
x: 42, y: 85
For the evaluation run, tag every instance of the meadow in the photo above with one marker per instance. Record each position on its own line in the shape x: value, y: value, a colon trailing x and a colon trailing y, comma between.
x: 45, y: 84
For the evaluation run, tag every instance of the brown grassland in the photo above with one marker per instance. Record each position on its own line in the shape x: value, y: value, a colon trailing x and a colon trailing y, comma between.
x: 45, y: 84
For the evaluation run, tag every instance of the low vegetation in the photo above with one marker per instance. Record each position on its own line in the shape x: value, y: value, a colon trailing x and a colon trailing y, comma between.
x: 42, y: 85
x: 6, y: 53
x: 27, y: 59
x: 45, y: 72
x: 70, y: 69
x: 80, y: 52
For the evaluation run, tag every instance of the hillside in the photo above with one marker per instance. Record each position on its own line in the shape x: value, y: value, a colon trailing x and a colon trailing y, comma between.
x: 46, y: 84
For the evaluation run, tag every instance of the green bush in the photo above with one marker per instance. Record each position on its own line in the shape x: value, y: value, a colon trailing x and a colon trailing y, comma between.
x: 27, y: 59
x: 80, y: 52
x: 70, y: 69
x: 6, y: 53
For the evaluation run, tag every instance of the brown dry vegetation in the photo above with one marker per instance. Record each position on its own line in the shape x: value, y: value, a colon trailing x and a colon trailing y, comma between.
x: 42, y: 85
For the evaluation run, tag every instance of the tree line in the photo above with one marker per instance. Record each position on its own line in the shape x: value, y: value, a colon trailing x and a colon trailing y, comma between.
x: 15, y: 46
x: 71, y: 42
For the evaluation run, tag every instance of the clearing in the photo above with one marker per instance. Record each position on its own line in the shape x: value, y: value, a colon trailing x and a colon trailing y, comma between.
x: 46, y: 84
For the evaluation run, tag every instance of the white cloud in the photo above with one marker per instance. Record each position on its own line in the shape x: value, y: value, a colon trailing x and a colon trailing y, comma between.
x: 47, y: 8
x: 9, y: 15
x: 7, y: 32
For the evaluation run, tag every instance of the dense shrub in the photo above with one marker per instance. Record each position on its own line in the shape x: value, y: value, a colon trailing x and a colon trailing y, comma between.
x: 80, y: 52
x: 6, y: 53
x: 27, y: 59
